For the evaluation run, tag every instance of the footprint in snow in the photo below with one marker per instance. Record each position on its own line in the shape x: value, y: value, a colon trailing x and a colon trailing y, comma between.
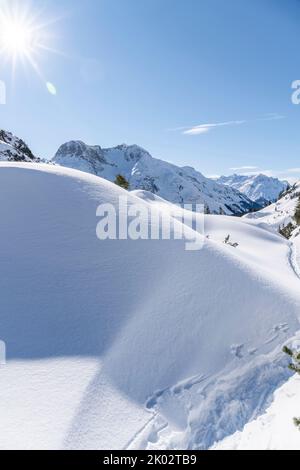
x: 281, y: 327
x: 237, y: 350
x: 252, y: 351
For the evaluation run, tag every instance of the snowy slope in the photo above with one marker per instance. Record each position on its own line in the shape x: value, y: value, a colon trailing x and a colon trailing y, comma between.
x: 274, y: 430
x: 132, y: 344
x: 279, y: 214
x: 142, y: 171
x: 14, y: 149
x: 260, y: 188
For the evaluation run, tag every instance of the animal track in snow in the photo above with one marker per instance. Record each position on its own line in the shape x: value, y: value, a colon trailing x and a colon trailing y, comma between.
x: 281, y: 327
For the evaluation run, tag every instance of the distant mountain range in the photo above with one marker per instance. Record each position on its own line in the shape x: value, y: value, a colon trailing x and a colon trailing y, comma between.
x: 175, y: 184
x: 233, y: 195
x: 259, y: 188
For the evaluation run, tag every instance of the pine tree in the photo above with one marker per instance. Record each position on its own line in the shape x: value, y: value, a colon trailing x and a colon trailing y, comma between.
x: 295, y: 355
x: 206, y: 209
x: 295, y: 367
x: 297, y: 213
x: 286, y: 231
x: 122, y: 182
x: 226, y: 241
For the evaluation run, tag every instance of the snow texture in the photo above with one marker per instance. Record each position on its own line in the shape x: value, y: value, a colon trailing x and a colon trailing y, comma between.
x: 274, y: 430
x: 132, y: 344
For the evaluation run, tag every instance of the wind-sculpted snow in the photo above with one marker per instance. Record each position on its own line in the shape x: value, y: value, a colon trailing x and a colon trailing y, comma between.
x: 118, y: 343
x: 274, y: 429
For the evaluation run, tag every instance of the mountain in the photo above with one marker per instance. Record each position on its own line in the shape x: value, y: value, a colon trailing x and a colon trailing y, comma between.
x: 283, y: 215
x: 14, y: 149
x: 123, y: 344
x: 142, y: 171
x: 259, y: 188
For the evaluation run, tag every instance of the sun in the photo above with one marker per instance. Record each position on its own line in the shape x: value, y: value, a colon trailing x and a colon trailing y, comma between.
x: 24, y: 37
x: 16, y: 37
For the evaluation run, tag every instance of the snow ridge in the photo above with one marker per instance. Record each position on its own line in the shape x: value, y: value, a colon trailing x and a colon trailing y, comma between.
x: 96, y: 338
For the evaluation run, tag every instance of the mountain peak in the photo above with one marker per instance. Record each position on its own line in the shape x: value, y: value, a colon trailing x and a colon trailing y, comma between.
x: 143, y: 172
x: 258, y: 187
x: 13, y: 148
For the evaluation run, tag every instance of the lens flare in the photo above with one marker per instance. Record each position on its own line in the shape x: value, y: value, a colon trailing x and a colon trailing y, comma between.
x: 51, y: 88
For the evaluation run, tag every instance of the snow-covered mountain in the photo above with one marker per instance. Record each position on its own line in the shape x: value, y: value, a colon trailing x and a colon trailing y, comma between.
x: 282, y: 215
x: 14, y: 149
x: 123, y: 344
x: 142, y: 171
x: 259, y: 188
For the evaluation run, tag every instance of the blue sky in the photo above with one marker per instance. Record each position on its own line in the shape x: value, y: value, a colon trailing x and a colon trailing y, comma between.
x: 205, y: 83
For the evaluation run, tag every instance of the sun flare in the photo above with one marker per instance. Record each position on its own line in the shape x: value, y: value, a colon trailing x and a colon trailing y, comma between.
x: 16, y: 37
x: 24, y: 36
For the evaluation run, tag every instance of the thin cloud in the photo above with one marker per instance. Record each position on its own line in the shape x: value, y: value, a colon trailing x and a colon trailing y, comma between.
x: 271, y: 117
x: 245, y: 168
x: 213, y: 177
x: 206, y: 128
x: 292, y: 170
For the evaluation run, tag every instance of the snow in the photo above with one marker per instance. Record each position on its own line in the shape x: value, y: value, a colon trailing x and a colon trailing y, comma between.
x: 14, y: 149
x: 142, y: 171
x: 274, y: 430
x: 279, y: 214
x: 260, y: 188
x: 132, y: 344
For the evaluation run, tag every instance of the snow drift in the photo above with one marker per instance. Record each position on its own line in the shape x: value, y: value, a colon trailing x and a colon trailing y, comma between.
x: 274, y: 429
x: 131, y: 344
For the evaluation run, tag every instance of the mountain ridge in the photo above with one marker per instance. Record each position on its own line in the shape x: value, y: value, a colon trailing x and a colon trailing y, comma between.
x: 233, y: 195
x: 258, y: 187
x: 14, y: 149
x: 179, y: 185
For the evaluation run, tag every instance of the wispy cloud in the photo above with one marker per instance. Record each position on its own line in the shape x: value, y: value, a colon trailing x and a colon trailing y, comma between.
x: 208, y: 127
x: 271, y: 117
x: 293, y: 170
x: 213, y: 177
x: 245, y: 168
x: 204, y: 128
